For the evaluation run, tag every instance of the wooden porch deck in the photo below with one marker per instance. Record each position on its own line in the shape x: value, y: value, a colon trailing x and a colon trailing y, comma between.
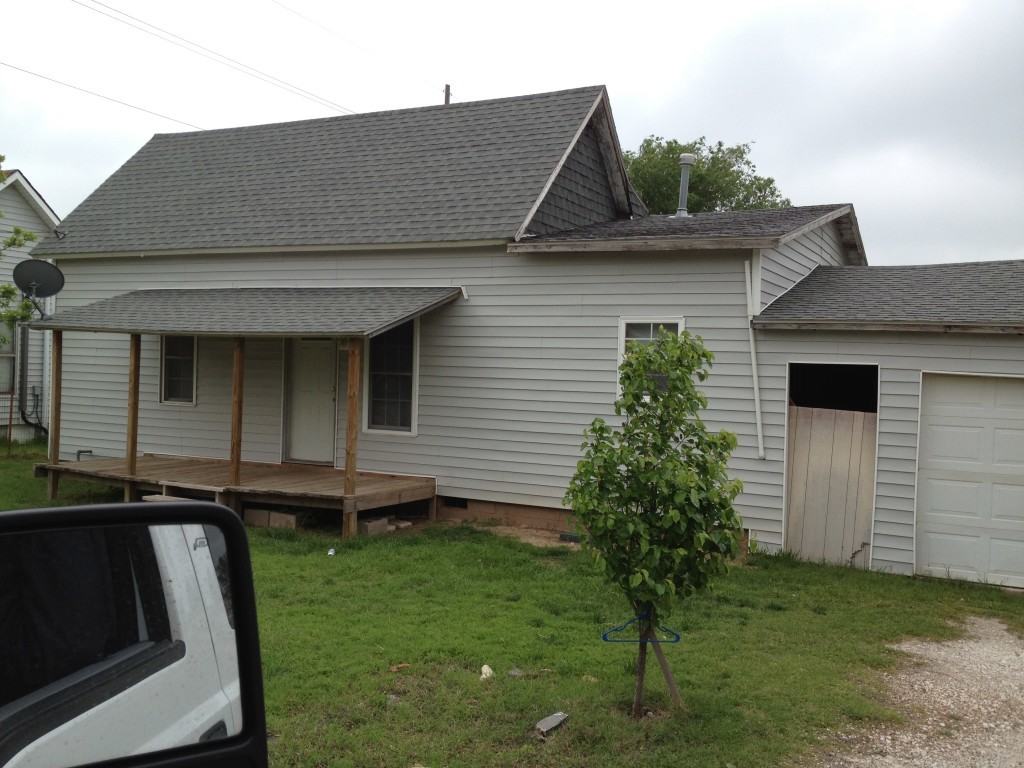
x: 296, y: 485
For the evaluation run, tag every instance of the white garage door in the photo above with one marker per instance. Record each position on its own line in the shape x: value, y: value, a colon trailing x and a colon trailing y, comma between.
x: 970, y: 484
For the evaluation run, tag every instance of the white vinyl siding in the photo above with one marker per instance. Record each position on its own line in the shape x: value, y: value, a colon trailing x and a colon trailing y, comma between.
x: 901, y: 359
x: 508, y: 380
x: 17, y: 212
x: 783, y: 267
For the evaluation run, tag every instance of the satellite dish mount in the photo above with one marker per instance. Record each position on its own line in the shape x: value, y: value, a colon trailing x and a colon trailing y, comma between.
x: 38, y: 280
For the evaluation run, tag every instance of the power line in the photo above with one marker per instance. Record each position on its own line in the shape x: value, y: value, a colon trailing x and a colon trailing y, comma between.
x: 100, y: 95
x: 208, y: 53
x: 331, y: 31
x: 212, y: 55
x: 303, y: 16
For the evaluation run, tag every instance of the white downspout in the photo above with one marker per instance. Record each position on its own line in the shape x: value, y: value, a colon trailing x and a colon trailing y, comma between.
x: 753, y: 359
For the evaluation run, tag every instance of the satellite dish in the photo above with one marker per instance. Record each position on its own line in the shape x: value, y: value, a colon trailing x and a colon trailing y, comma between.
x: 38, y: 280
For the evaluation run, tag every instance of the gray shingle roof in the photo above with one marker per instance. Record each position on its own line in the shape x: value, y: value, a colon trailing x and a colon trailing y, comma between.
x: 976, y: 294
x: 255, y: 311
x: 464, y: 171
x: 760, y: 224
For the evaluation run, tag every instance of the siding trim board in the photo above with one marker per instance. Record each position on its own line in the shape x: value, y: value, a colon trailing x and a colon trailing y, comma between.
x: 917, y: 463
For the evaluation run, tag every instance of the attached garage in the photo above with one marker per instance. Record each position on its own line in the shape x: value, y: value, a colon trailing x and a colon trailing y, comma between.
x: 948, y: 345
x: 970, y: 478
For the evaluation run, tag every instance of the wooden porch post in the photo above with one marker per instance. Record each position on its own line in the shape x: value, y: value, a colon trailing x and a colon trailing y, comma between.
x: 132, y: 440
x: 53, y: 478
x: 237, y: 396
x: 353, y: 422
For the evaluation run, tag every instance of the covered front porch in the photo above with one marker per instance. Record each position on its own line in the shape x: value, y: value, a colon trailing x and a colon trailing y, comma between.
x: 347, y: 317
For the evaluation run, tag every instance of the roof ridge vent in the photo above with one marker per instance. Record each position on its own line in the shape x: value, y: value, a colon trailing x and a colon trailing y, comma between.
x: 686, y: 160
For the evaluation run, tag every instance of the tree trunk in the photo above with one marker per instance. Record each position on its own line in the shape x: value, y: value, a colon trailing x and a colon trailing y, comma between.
x: 670, y: 679
x: 641, y: 670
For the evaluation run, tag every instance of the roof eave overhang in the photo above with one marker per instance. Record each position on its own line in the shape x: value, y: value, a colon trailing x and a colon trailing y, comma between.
x: 35, y: 200
x: 653, y: 244
x: 761, y: 324
x: 246, y: 250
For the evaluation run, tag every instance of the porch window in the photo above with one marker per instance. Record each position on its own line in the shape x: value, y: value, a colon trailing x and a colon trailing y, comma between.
x: 7, y: 359
x: 391, y: 367
x: 178, y: 369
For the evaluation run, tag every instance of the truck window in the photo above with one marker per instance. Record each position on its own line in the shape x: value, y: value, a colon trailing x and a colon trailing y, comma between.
x: 219, y: 553
x: 83, y: 612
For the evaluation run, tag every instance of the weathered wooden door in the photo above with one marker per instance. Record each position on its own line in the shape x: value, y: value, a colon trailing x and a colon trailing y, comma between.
x: 830, y: 478
x: 310, y: 412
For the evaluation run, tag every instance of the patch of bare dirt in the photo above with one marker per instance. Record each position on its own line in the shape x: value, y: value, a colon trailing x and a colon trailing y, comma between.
x: 963, y: 702
x: 538, y: 537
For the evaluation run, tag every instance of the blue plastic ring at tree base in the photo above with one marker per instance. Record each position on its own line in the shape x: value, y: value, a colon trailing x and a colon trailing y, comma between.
x: 675, y: 636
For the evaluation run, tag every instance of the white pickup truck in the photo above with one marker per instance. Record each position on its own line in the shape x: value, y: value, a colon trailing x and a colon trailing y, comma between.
x: 124, y: 627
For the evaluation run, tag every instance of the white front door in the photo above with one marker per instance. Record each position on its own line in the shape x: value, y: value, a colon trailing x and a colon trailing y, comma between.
x: 310, y: 410
x: 970, y: 484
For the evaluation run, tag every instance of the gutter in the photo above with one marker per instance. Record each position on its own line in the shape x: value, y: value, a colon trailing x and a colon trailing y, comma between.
x: 23, y: 382
x: 764, y: 324
x: 753, y: 359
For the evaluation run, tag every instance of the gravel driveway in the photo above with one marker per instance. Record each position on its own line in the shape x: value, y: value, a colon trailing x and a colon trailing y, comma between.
x: 963, y: 702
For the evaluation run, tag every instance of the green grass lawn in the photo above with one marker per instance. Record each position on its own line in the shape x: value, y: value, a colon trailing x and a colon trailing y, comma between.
x: 777, y: 652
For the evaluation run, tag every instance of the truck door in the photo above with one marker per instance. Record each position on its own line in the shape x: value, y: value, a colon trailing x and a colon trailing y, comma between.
x: 122, y: 641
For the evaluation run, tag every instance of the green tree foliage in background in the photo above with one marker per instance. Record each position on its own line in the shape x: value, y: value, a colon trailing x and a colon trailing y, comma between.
x: 13, y: 307
x: 653, y: 498
x: 723, y: 178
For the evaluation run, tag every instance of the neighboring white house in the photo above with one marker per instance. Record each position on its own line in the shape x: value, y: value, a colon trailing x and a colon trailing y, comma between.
x: 489, y: 262
x: 23, y: 358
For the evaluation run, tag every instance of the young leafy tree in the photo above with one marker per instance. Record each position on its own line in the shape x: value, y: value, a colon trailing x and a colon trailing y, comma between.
x: 723, y: 178
x: 13, y: 307
x: 653, y: 497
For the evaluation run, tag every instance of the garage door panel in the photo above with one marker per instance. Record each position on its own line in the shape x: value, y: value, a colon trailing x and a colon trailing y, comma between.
x: 1008, y: 503
x: 952, y: 555
x: 957, y: 395
x: 951, y: 443
x: 970, y: 487
x: 1008, y: 447
x: 1005, y: 564
x: 950, y: 498
x: 1009, y: 398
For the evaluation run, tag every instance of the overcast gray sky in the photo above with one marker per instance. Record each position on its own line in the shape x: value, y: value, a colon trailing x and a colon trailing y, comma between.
x: 913, y: 111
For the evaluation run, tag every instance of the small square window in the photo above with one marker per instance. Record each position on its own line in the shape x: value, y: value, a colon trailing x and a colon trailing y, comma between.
x: 644, y: 330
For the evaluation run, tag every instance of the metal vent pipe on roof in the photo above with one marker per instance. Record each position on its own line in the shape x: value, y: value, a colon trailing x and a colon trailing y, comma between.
x: 685, y: 161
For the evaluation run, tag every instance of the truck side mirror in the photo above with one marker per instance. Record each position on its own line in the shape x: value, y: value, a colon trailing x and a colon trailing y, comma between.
x: 128, y: 633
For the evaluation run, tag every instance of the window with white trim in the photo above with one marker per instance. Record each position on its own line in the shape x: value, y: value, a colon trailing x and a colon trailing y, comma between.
x: 392, y: 379
x: 7, y: 360
x: 644, y: 330
x: 178, y: 369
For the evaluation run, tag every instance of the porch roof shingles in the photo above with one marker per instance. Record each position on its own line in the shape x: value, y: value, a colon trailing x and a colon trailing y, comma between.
x: 330, y: 312
x: 984, y: 295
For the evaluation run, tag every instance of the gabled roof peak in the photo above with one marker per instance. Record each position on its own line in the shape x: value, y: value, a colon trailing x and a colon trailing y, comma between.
x: 469, y: 171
